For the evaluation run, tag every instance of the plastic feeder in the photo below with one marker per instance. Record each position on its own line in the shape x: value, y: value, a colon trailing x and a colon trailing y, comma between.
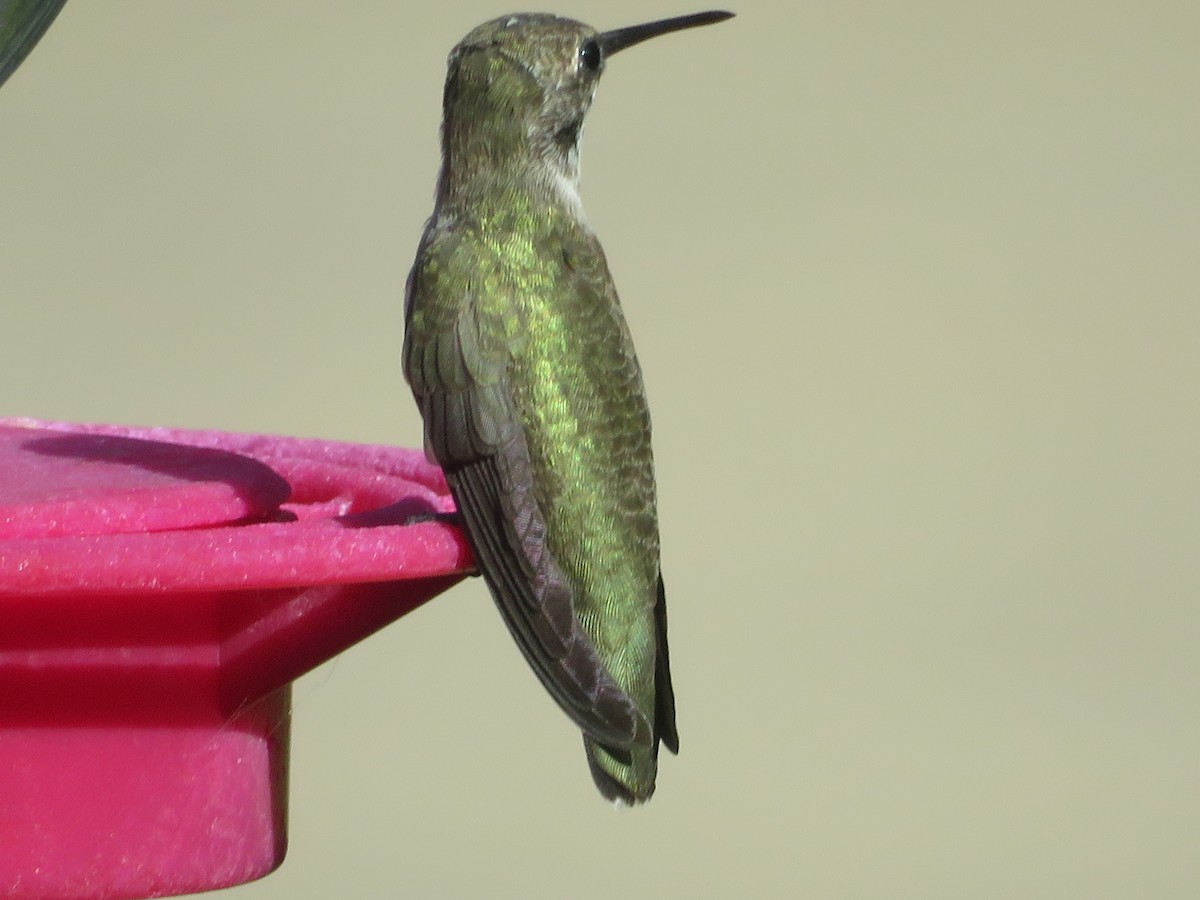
x: 159, y: 592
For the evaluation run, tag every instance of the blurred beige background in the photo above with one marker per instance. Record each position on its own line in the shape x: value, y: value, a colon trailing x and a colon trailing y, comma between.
x: 917, y: 292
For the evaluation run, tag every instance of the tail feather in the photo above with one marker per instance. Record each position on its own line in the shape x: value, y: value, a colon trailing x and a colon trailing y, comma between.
x: 628, y: 776
x: 625, y: 777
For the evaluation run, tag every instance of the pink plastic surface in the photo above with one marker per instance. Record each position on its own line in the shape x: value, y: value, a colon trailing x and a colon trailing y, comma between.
x: 159, y: 591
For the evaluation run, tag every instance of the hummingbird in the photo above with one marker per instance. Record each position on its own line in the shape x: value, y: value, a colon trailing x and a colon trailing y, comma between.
x: 524, y: 371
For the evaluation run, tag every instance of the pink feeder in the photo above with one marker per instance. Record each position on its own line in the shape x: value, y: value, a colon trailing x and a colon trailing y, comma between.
x: 159, y: 591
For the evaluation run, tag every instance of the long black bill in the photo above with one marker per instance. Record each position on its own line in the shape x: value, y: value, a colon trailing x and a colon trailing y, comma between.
x: 612, y: 41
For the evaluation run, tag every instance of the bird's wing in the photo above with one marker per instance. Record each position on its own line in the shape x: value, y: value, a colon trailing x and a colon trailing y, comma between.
x: 456, y: 360
x: 664, y: 712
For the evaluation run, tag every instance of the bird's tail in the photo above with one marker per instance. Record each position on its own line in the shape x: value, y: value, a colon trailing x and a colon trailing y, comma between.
x: 627, y: 776
x: 623, y: 776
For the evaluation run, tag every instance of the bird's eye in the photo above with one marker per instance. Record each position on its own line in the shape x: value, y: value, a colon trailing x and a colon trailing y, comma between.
x: 589, y: 56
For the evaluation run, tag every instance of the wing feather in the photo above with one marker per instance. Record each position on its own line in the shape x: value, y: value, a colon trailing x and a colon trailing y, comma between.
x: 664, y: 699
